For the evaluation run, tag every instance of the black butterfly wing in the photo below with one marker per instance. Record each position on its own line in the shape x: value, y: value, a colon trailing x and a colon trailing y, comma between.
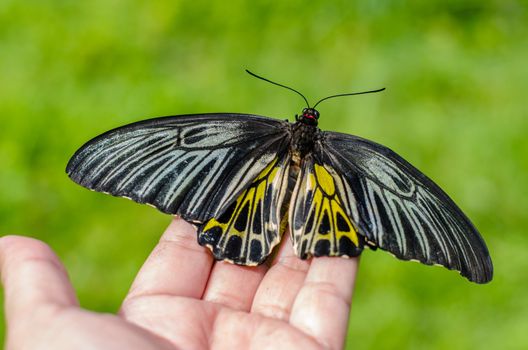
x: 319, y: 214
x: 403, y: 211
x: 190, y: 165
x: 248, y: 230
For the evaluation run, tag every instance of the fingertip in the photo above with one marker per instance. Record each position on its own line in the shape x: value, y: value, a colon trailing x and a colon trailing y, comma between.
x: 13, y: 241
x: 16, y: 248
x: 177, y: 228
x: 32, y: 275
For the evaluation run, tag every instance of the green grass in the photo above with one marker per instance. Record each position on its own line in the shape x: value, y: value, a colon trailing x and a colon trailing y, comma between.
x: 455, y: 106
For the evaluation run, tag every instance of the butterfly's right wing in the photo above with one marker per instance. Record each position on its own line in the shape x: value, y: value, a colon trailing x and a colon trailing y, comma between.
x: 192, y: 165
x: 399, y: 209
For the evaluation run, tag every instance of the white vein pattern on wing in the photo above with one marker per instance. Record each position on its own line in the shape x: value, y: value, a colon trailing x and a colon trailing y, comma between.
x: 267, y: 234
x: 279, y: 191
x: 153, y: 180
x: 218, y: 133
x: 411, y: 210
x: 457, y: 244
x: 109, y: 144
x: 460, y: 235
x: 386, y: 180
x: 139, y: 154
x: 97, y: 154
x: 370, y: 211
x: 350, y: 201
x: 192, y: 170
x: 187, y: 175
x: 168, y: 143
x: 271, y: 217
x: 294, y: 210
x: 381, y: 168
x: 108, y: 156
x: 378, y: 232
x: 168, y: 189
x: 212, y: 134
x: 417, y: 229
x: 458, y: 232
x: 427, y: 220
x: 207, y: 133
x: 391, y: 199
x: 208, y: 182
x: 146, y: 161
x: 427, y: 201
x: 394, y: 218
x: 382, y: 192
x: 161, y: 172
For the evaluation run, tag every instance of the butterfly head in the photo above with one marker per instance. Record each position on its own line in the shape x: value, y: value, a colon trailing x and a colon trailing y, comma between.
x: 309, y: 116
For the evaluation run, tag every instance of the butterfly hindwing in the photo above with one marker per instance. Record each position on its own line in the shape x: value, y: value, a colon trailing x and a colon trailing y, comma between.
x: 248, y: 229
x: 319, y: 221
x: 186, y: 165
x: 402, y: 211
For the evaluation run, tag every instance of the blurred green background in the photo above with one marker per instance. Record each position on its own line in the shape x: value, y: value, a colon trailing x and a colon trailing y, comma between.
x: 456, y: 77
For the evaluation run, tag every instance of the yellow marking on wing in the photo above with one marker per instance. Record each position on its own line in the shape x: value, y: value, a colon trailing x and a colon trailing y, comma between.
x: 264, y: 173
x: 327, y: 202
x: 324, y: 179
x: 352, y: 234
x: 212, y: 223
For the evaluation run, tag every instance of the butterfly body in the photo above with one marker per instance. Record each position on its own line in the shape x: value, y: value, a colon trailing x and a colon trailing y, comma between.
x: 243, y: 179
x: 304, y: 137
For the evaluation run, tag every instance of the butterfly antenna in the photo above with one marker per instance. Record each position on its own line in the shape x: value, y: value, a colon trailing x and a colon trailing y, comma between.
x: 350, y: 94
x: 274, y: 83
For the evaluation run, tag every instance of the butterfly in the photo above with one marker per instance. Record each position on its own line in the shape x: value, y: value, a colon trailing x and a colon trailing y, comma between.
x: 242, y: 179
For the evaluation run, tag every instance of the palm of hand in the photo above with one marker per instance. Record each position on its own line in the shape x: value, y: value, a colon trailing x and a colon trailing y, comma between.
x: 181, y: 298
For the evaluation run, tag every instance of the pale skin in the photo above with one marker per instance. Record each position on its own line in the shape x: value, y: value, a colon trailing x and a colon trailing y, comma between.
x: 180, y: 299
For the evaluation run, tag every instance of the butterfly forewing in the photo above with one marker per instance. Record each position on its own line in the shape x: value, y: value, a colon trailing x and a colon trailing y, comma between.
x: 404, y: 212
x: 248, y: 229
x: 190, y: 165
x: 319, y: 223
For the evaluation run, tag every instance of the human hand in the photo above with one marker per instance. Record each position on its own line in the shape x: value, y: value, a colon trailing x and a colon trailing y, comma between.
x: 180, y: 298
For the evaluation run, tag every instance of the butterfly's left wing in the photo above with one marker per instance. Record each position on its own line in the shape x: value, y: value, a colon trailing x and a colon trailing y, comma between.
x: 246, y: 232
x: 401, y: 210
x: 194, y: 166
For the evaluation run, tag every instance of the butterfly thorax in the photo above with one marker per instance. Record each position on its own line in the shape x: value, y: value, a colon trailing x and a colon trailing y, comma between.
x: 305, y: 133
x: 303, y: 140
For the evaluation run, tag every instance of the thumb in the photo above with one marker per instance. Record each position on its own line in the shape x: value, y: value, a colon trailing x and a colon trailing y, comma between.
x: 33, y: 277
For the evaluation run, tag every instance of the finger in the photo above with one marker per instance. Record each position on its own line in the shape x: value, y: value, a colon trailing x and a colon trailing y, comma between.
x: 178, y: 265
x: 234, y: 286
x: 33, y: 277
x: 280, y: 286
x: 322, y: 306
